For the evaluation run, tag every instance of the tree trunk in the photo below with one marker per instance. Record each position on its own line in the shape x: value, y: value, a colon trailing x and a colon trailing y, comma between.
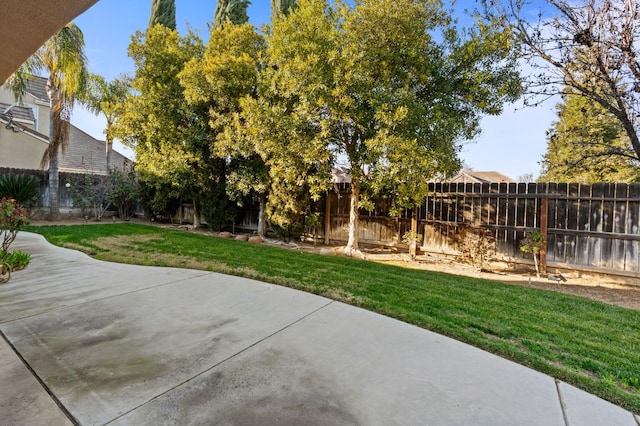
x: 54, y: 179
x: 197, y: 223
x: 352, y: 244
x: 54, y: 200
x: 261, y: 219
x: 413, y: 245
x: 109, y: 151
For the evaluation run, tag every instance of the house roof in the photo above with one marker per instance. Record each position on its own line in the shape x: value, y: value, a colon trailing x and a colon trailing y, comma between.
x: 471, y: 176
x: 37, y: 87
x: 17, y: 112
x: 86, y: 154
x: 27, y: 25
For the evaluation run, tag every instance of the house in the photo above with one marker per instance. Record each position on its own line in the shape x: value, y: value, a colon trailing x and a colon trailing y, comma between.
x: 471, y: 176
x: 24, y: 136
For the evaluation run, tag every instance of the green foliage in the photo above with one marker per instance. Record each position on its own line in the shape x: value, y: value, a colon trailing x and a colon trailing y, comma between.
x: 163, y: 12
x: 17, y: 260
x: 477, y: 246
x: 581, y: 142
x: 587, y: 344
x: 24, y: 189
x: 231, y: 11
x: 124, y: 191
x: 12, y: 219
x: 532, y: 242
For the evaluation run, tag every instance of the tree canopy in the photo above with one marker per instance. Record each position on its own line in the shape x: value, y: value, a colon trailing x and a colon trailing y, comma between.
x: 580, y: 141
x: 388, y: 87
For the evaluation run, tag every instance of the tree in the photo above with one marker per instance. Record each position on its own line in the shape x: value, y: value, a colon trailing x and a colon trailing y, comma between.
x: 391, y: 86
x: 163, y: 12
x: 62, y: 58
x: 155, y: 121
x: 579, y: 143
x: 280, y: 8
x: 107, y: 97
x: 586, y: 48
x: 214, y: 84
x: 234, y: 11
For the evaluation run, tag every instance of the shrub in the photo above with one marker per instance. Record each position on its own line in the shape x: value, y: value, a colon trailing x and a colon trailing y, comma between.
x: 12, y: 219
x: 532, y: 243
x: 124, y: 191
x: 477, y: 246
x: 17, y: 260
x: 24, y: 189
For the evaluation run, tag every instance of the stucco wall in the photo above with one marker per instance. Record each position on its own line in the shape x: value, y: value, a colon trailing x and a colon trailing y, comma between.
x: 20, y: 150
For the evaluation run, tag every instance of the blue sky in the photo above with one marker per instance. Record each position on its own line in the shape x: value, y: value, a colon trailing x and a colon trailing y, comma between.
x: 512, y: 143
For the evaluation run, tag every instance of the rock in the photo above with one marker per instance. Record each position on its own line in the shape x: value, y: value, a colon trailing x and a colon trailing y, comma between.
x: 255, y: 239
x: 225, y: 235
x: 327, y: 251
x: 242, y: 237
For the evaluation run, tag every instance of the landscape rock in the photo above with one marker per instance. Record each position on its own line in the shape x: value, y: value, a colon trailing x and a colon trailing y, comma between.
x: 255, y: 239
x: 225, y: 235
x: 242, y: 237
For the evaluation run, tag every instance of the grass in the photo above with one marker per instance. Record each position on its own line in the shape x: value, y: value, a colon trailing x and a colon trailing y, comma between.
x: 591, y: 345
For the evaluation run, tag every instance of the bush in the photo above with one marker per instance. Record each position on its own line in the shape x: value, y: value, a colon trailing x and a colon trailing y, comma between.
x: 477, y: 246
x: 17, y: 260
x: 25, y: 190
x: 12, y: 219
x: 124, y: 191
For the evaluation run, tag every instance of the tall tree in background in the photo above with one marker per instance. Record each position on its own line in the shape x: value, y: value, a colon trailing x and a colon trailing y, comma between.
x: 579, y: 144
x: 108, y: 98
x: 391, y: 86
x: 280, y: 8
x: 163, y: 12
x: 234, y: 11
x: 589, y: 48
x: 63, y: 59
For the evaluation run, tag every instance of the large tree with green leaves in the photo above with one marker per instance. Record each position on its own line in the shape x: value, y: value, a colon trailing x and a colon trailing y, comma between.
x: 580, y: 142
x: 388, y: 87
x: 163, y: 12
x: 63, y: 59
x: 156, y: 121
x: 107, y: 97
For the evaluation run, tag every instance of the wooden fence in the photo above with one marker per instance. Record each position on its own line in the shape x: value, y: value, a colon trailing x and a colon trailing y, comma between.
x: 588, y: 227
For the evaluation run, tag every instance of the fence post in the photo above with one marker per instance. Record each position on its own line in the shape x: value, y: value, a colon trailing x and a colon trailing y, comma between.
x: 544, y: 218
x: 327, y: 218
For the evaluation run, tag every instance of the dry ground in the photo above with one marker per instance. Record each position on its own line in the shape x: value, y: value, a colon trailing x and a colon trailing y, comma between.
x: 595, y: 288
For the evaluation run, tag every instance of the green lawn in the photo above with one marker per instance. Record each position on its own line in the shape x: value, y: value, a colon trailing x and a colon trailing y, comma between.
x: 591, y: 345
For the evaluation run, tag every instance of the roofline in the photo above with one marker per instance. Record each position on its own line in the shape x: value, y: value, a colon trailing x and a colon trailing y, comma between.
x: 23, y: 129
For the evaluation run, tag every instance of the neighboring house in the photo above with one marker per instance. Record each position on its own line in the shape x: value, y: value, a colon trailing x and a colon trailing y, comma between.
x: 471, y: 176
x: 24, y: 136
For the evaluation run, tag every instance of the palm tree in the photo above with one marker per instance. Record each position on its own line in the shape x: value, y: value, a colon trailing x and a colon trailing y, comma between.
x: 107, y: 97
x: 62, y: 57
